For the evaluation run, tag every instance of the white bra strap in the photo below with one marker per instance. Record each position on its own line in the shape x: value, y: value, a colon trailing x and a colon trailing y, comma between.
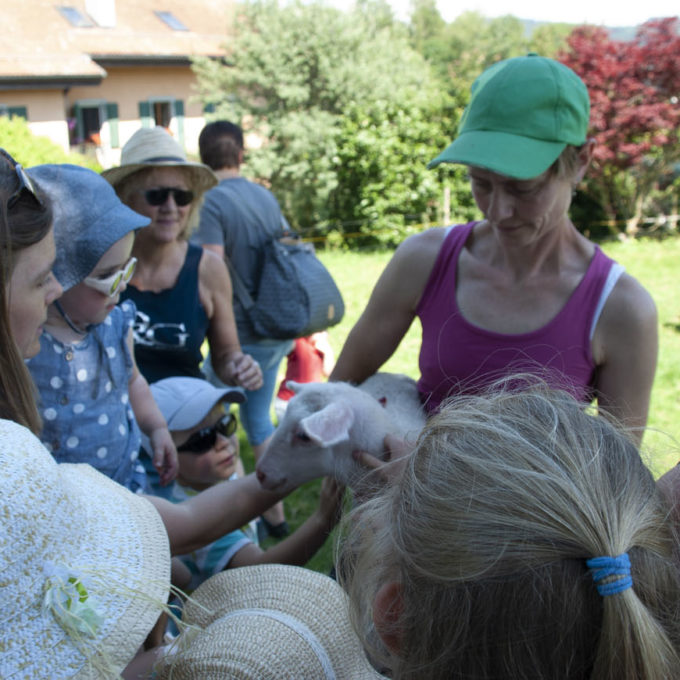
x: 613, y: 276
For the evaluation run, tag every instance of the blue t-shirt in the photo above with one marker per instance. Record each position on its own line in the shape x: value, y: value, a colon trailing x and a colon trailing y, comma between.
x: 84, y: 403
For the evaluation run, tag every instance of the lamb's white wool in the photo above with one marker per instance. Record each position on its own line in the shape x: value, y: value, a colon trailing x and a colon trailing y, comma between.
x: 325, y: 422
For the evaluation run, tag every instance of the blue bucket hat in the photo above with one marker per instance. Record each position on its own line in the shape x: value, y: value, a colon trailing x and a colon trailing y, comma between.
x: 88, y: 218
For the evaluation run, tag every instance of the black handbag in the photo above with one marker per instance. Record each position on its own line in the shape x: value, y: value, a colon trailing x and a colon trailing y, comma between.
x: 296, y: 295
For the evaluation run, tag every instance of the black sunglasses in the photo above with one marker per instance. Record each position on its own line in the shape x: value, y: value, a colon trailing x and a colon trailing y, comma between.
x: 205, y: 439
x: 25, y: 184
x: 160, y: 195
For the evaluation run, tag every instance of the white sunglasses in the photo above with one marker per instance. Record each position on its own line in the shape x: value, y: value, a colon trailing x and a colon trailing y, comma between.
x: 110, y: 285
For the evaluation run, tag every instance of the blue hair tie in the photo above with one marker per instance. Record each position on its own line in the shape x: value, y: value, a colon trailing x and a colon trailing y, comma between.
x: 603, y: 567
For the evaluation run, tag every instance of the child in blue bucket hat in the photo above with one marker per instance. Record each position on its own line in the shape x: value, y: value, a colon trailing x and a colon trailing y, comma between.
x: 93, y: 399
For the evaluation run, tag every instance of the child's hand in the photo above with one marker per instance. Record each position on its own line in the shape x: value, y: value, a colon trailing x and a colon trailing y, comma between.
x: 330, y: 501
x: 245, y: 371
x: 164, y: 454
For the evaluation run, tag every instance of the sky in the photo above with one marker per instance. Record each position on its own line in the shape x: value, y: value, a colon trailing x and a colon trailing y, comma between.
x: 606, y: 12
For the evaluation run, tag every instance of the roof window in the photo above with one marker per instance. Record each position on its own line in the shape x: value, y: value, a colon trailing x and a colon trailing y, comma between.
x: 170, y: 20
x: 74, y: 16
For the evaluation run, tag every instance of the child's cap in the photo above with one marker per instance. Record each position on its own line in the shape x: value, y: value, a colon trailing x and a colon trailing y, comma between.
x: 522, y: 114
x: 184, y: 402
x: 85, y: 566
x: 266, y: 622
x: 88, y: 218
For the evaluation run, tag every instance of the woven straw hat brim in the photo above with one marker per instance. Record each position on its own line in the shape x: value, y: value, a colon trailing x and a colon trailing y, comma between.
x: 253, y: 646
x: 201, y: 177
x: 156, y: 148
x: 72, y: 516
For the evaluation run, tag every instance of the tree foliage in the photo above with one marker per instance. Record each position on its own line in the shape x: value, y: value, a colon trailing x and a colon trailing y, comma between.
x: 635, y: 114
x: 29, y: 149
x: 331, y: 95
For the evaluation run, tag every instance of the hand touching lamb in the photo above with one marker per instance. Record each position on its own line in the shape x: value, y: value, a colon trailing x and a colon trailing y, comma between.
x: 325, y: 422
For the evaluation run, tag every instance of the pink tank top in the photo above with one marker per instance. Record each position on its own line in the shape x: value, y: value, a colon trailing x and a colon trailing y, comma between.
x: 457, y: 357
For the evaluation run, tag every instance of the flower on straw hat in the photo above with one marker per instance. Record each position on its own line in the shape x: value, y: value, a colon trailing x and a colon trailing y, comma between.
x: 268, y: 622
x: 154, y: 148
x: 88, y: 218
x: 85, y: 566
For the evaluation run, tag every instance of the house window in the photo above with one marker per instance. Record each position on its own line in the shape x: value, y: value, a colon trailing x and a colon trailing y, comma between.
x: 170, y: 20
x: 168, y: 113
x: 13, y: 111
x: 75, y: 17
x: 162, y: 113
x: 91, y: 118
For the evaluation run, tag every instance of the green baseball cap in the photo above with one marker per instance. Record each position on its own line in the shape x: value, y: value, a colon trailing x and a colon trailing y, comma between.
x: 522, y: 114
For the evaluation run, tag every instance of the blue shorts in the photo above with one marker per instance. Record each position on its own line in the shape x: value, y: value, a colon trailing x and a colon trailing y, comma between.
x: 255, y: 412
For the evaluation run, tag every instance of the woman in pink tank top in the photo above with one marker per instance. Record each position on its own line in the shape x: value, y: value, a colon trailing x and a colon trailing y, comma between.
x: 521, y: 290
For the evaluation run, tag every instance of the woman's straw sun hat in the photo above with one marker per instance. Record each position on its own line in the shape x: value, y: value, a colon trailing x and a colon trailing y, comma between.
x: 153, y: 148
x: 268, y: 622
x: 85, y: 566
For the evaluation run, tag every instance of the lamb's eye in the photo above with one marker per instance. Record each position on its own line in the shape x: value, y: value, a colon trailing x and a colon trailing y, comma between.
x: 301, y: 436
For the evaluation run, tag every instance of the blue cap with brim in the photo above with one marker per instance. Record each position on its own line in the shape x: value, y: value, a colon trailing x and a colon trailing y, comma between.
x: 88, y: 218
x: 522, y: 114
x: 185, y: 402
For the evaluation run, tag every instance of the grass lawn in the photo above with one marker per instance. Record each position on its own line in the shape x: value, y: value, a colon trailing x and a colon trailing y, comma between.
x: 654, y: 263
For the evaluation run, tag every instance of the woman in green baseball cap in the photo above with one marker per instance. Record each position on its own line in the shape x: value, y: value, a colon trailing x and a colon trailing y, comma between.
x: 522, y: 289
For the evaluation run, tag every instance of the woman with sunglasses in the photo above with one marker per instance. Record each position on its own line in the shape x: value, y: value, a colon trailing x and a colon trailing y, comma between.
x: 93, y: 399
x: 85, y: 562
x: 183, y: 294
x: 208, y: 451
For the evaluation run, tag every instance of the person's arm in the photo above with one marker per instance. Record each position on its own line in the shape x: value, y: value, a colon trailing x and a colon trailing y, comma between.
x: 390, y: 309
x: 625, y: 348
x: 151, y: 421
x: 231, y: 365
x: 207, y: 516
x: 299, y: 547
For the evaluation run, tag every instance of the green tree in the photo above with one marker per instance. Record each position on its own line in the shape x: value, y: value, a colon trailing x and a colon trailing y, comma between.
x: 298, y: 75
x: 549, y: 39
x: 29, y: 149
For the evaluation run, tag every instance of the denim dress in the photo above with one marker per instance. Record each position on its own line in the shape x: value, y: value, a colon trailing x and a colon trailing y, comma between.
x: 84, y: 403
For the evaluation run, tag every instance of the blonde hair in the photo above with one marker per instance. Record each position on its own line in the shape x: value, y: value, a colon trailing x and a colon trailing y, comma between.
x: 487, y: 534
x: 567, y: 163
x: 130, y: 183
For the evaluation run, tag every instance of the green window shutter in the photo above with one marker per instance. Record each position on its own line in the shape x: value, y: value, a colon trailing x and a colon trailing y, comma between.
x: 18, y: 111
x: 112, y: 117
x: 145, y: 114
x: 80, y: 124
x: 179, y: 114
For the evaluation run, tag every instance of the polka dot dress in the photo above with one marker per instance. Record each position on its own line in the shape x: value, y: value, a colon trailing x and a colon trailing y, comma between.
x: 84, y: 400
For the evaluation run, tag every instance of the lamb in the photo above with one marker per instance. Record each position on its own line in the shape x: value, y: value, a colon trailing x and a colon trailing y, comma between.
x: 325, y: 422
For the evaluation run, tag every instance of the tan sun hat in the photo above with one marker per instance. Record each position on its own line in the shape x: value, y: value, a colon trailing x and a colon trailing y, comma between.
x: 268, y: 622
x: 155, y: 147
x: 84, y: 564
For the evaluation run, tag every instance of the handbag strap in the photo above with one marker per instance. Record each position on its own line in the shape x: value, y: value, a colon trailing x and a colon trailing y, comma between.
x: 239, y: 286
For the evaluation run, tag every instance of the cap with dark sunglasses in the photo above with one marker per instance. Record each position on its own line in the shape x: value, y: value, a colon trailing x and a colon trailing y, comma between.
x: 203, y: 440
x: 160, y: 195
x: 25, y: 184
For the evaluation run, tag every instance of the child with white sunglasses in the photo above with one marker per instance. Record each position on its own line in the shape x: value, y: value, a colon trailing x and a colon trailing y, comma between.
x: 93, y: 399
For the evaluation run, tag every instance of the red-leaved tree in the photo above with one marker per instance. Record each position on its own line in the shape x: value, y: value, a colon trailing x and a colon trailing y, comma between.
x: 634, y: 89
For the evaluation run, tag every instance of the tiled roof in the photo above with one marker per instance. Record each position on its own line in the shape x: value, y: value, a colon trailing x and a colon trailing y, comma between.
x: 37, y: 41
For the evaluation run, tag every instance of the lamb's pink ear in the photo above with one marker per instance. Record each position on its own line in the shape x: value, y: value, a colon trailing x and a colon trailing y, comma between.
x: 330, y: 425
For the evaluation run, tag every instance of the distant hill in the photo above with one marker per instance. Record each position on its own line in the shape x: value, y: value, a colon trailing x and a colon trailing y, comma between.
x: 615, y: 32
